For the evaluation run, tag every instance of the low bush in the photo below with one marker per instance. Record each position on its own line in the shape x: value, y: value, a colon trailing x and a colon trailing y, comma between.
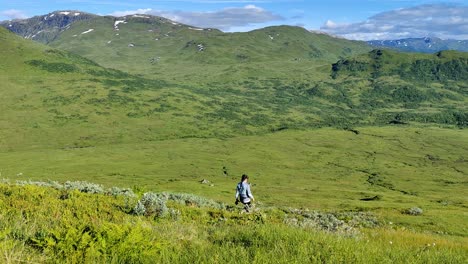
x: 414, y: 211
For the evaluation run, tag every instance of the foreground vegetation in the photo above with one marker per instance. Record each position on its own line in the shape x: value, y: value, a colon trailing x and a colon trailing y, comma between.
x: 69, y: 223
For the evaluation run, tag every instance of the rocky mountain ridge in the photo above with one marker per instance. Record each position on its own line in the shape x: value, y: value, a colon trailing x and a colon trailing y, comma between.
x: 425, y: 45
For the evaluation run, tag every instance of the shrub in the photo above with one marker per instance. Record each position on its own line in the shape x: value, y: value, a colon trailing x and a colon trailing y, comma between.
x: 116, y: 191
x: 56, y: 67
x: 84, y: 187
x: 139, y: 209
x: 190, y: 199
x: 414, y: 211
x: 52, y: 184
x: 344, y: 223
x: 153, y: 204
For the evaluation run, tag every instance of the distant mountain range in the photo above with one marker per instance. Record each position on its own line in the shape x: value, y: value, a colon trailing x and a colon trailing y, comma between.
x: 150, y: 45
x: 50, y: 27
x: 425, y: 45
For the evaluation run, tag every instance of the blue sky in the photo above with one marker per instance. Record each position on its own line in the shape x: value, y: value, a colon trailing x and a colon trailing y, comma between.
x: 363, y: 19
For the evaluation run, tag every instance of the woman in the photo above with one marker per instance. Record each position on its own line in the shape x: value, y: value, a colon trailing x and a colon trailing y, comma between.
x: 243, y: 193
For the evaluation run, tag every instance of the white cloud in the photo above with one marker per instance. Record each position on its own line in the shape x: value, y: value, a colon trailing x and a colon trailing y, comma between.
x: 132, y: 12
x: 13, y: 14
x: 224, y: 19
x: 436, y: 20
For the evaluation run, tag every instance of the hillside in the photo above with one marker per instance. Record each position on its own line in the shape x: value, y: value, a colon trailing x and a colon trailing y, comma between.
x: 266, y: 80
x: 101, y: 106
x: 155, y: 46
x: 73, y: 223
x: 50, y: 91
x: 431, y: 88
x: 425, y: 45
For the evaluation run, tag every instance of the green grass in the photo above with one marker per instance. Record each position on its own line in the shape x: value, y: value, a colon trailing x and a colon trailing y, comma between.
x: 323, y: 169
x: 44, y: 225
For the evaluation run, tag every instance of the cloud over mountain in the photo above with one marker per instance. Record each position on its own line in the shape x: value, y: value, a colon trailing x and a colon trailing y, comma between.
x: 223, y: 19
x: 13, y: 14
x: 438, y: 20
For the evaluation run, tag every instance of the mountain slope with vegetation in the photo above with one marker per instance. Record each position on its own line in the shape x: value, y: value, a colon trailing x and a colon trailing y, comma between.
x: 410, y: 87
x: 282, y: 74
x: 155, y: 46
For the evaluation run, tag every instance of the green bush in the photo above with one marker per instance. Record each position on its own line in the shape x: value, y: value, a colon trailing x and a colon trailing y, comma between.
x: 56, y: 67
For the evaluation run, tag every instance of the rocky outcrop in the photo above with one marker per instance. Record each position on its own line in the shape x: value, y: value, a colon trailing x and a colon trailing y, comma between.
x: 47, y: 27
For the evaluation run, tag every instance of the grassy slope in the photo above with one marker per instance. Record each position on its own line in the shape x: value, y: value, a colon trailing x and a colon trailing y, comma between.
x: 45, y: 225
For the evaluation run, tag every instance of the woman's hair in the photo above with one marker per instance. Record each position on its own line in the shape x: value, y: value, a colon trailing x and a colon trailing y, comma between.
x: 244, y: 177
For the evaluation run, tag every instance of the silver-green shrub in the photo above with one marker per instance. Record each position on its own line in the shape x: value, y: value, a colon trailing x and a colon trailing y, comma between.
x: 154, y: 204
x: 414, y: 211
x: 85, y: 187
x: 52, y: 184
x: 139, y: 209
x: 345, y: 223
x: 193, y: 200
x: 116, y: 191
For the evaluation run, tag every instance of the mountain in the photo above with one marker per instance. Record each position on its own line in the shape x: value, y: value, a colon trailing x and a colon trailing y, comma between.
x: 46, y: 28
x: 425, y: 45
x: 155, y: 46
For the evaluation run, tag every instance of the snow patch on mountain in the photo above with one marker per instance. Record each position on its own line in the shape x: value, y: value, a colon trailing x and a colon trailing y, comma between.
x: 87, y: 31
x: 117, y: 22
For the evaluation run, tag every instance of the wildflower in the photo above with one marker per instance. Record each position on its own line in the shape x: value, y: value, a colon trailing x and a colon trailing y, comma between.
x: 391, y: 242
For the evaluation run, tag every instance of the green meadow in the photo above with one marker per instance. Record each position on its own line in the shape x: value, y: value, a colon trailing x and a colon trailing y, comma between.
x: 325, y: 169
